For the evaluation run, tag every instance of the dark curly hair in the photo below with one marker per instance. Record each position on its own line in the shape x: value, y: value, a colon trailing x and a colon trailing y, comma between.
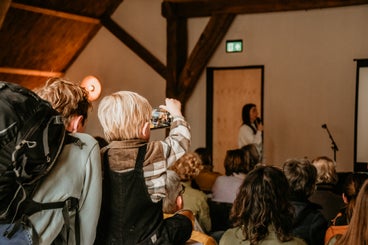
x: 261, y: 202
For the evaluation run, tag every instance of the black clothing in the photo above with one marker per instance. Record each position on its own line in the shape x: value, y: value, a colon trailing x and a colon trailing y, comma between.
x: 308, y: 223
x: 326, y: 196
x: 132, y: 216
x: 342, y: 219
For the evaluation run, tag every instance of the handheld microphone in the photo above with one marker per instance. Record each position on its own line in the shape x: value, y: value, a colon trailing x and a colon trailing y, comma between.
x: 324, y: 125
x: 258, y: 120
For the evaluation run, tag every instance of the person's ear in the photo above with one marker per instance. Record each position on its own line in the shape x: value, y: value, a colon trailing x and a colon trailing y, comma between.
x: 344, y: 198
x: 76, y: 124
x: 146, y: 130
x: 179, y: 202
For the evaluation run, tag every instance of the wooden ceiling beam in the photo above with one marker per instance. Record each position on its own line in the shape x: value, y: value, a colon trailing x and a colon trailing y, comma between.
x: 134, y: 45
x: 4, y: 6
x: 177, y: 50
x: 55, y: 13
x: 207, y: 44
x: 29, y: 72
x: 204, y: 8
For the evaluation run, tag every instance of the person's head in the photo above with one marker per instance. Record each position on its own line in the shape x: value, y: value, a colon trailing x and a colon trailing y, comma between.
x: 206, y: 157
x: 261, y: 202
x: 350, y: 190
x: 235, y: 162
x: 301, y: 176
x: 69, y: 99
x: 357, y: 232
x: 125, y: 115
x: 249, y: 113
x: 326, y: 170
x: 173, y: 200
x: 251, y: 156
x: 188, y: 166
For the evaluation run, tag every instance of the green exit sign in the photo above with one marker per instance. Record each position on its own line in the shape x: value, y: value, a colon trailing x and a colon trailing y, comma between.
x: 233, y: 46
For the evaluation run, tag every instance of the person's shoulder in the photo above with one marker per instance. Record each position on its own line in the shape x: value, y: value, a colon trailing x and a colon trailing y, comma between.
x: 86, y: 138
x: 221, y: 178
x: 197, y: 193
x: 233, y: 236
x: 81, y: 145
x: 313, y: 210
x: 333, y: 239
x: 308, y: 214
x: 297, y: 241
x: 244, y: 127
x: 202, y: 238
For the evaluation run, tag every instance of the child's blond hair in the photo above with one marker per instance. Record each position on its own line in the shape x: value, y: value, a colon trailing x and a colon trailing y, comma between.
x: 123, y: 115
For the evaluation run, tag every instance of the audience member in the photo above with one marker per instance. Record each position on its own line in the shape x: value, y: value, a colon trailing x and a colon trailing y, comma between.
x: 261, y: 212
x: 236, y: 167
x: 77, y: 172
x: 325, y: 193
x: 207, y: 177
x: 357, y: 232
x: 308, y: 223
x: 250, y: 132
x: 173, y: 202
x: 135, y: 172
x: 69, y: 99
x: 187, y: 168
x: 251, y: 155
x: 350, y: 190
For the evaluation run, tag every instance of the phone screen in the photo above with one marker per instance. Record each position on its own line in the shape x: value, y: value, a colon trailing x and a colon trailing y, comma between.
x: 160, y: 118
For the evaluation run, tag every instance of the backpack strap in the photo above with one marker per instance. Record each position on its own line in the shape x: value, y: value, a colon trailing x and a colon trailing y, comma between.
x: 70, y: 139
x: 68, y: 205
x: 71, y: 204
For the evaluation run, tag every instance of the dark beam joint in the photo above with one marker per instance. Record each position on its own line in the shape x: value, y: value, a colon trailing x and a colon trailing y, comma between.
x: 135, y: 46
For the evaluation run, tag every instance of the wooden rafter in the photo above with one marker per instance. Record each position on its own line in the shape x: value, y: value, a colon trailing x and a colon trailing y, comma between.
x: 29, y: 72
x: 222, y: 13
x: 177, y: 49
x: 202, y: 8
x: 4, y: 6
x: 55, y: 13
x: 134, y: 45
x: 208, y: 42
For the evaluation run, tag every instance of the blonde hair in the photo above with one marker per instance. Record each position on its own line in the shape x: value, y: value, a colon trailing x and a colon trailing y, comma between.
x: 66, y: 97
x: 123, y: 115
x: 326, y: 170
x: 188, y: 166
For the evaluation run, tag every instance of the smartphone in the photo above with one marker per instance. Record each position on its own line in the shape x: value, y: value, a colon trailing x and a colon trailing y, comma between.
x: 160, y: 118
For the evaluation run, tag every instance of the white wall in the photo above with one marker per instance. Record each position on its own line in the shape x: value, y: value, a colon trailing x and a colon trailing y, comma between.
x: 309, y: 73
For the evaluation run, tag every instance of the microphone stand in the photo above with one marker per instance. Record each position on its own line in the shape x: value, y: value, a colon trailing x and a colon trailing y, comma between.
x: 333, y: 143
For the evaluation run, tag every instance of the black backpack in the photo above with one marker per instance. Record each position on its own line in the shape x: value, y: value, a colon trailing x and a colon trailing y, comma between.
x: 32, y: 136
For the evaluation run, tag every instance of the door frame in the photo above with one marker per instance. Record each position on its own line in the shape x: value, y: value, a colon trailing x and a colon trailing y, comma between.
x: 210, y: 80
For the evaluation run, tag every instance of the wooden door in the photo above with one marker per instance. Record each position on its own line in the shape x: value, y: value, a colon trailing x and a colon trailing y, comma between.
x: 228, y: 89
